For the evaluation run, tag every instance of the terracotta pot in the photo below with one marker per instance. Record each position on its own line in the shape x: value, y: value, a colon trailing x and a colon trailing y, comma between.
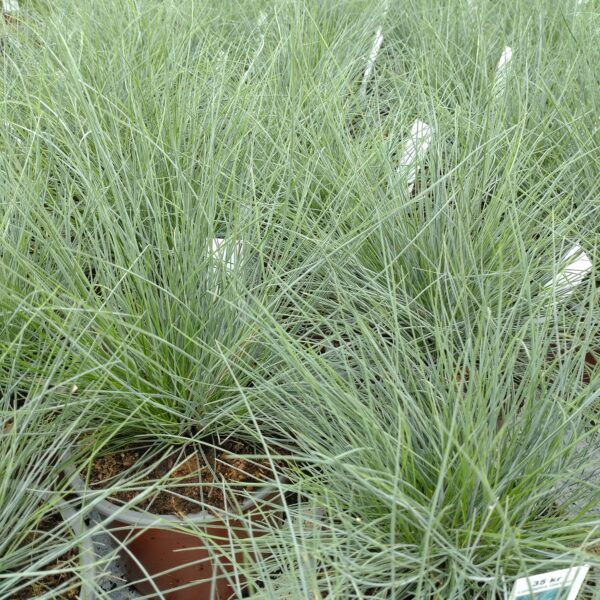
x: 591, y: 362
x: 590, y: 358
x: 159, y: 557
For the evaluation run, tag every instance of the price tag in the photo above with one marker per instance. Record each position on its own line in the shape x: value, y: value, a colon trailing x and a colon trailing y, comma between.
x: 563, y: 584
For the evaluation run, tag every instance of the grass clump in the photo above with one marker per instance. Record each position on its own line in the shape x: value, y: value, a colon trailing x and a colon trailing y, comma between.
x: 403, y: 346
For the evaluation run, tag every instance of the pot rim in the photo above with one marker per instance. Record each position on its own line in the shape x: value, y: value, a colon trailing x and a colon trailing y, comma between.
x: 143, y: 518
x: 87, y: 557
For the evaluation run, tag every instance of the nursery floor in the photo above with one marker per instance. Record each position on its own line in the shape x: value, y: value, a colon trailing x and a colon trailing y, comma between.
x: 113, y: 581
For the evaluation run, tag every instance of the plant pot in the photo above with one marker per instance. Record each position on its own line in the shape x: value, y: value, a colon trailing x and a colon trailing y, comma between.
x: 159, y: 557
x: 591, y: 361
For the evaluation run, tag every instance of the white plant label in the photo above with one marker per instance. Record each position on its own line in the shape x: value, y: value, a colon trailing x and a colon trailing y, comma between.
x: 220, y: 60
x: 371, y: 62
x: 415, y: 149
x: 10, y: 6
x: 13, y: 131
x: 563, y: 584
x: 565, y: 282
x: 502, y: 71
x: 260, y: 23
x: 226, y: 253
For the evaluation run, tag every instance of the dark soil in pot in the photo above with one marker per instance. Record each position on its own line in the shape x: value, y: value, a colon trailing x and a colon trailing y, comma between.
x: 181, y: 565
x: 191, y: 469
x: 52, y: 581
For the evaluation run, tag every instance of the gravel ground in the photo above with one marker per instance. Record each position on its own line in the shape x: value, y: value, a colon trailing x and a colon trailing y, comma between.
x: 113, y: 582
